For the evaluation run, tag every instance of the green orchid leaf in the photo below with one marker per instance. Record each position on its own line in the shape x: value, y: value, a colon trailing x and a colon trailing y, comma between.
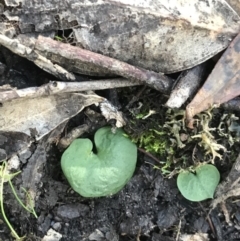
x: 200, y: 185
x: 104, y: 173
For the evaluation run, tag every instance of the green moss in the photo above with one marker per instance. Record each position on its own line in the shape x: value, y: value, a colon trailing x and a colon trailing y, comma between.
x: 162, y: 133
x: 157, y: 143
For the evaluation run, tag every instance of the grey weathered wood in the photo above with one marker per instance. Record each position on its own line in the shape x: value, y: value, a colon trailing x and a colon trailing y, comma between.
x: 162, y: 36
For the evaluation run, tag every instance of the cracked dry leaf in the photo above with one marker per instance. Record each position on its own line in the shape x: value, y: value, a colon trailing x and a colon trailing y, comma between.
x: 162, y: 36
x: 37, y: 117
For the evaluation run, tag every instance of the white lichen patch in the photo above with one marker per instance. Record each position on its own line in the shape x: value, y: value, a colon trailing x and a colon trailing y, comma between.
x: 208, y: 142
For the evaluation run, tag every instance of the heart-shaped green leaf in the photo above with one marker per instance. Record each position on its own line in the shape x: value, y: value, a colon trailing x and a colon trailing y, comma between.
x: 104, y: 173
x: 201, y: 185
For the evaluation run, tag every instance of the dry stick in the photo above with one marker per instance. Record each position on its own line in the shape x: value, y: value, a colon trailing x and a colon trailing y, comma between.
x: 56, y: 87
x: 16, y: 47
x: 79, y: 57
x: 208, y: 219
x: 149, y: 154
x: 72, y: 135
x: 187, y: 85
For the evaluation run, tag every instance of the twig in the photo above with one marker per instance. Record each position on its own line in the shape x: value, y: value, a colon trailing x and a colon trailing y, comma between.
x: 72, y: 135
x: 178, y: 230
x: 83, y: 59
x: 226, y: 213
x: 55, y: 87
x: 187, y: 85
x: 211, y: 225
x: 16, y: 47
x: 208, y: 219
x: 149, y: 154
x: 138, y: 234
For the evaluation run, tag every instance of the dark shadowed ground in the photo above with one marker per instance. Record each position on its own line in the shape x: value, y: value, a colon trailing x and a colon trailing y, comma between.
x: 149, y: 208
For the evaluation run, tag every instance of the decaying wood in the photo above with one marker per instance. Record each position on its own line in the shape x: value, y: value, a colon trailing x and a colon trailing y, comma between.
x: 162, y: 36
x: 221, y: 85
x: 188, y: 83
x: 77, y: 59
x: 56, y: 87
x: 32, y: 174
x: 230, y: 187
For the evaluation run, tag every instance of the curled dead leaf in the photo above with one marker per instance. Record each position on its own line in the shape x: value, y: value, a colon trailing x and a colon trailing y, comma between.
x: 222, y: 84
x: 38, y: 116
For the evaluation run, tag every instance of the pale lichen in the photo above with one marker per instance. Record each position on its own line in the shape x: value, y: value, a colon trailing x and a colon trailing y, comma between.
x: 210, y: 145
x: 176, y: 146
x: 208, y: 142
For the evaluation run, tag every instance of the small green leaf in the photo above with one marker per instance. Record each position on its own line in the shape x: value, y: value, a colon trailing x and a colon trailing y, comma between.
x: 107, y: 171
x: 199, y: 186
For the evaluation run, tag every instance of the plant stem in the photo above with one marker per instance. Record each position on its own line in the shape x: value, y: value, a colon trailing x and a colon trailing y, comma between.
x: 20, y: 201
x: 1, y: 203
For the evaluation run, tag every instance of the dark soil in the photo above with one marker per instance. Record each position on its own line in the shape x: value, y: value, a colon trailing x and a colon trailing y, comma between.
x: 149, y: 208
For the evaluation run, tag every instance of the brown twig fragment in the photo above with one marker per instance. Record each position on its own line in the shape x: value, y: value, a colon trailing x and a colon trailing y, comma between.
x: 72, y: 135
x: 78, y: 59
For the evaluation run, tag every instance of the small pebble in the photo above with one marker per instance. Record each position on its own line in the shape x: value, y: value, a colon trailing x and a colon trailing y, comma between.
x: 13, y: 163
x: 52, y: 235
x: 57, y: 226
x: 97, y: 235
x: 71, y: 211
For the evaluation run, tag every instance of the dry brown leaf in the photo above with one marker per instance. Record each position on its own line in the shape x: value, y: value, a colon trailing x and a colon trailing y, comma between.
x: 39, y: 116
x: 222, y: 84
x: 163, y: 36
